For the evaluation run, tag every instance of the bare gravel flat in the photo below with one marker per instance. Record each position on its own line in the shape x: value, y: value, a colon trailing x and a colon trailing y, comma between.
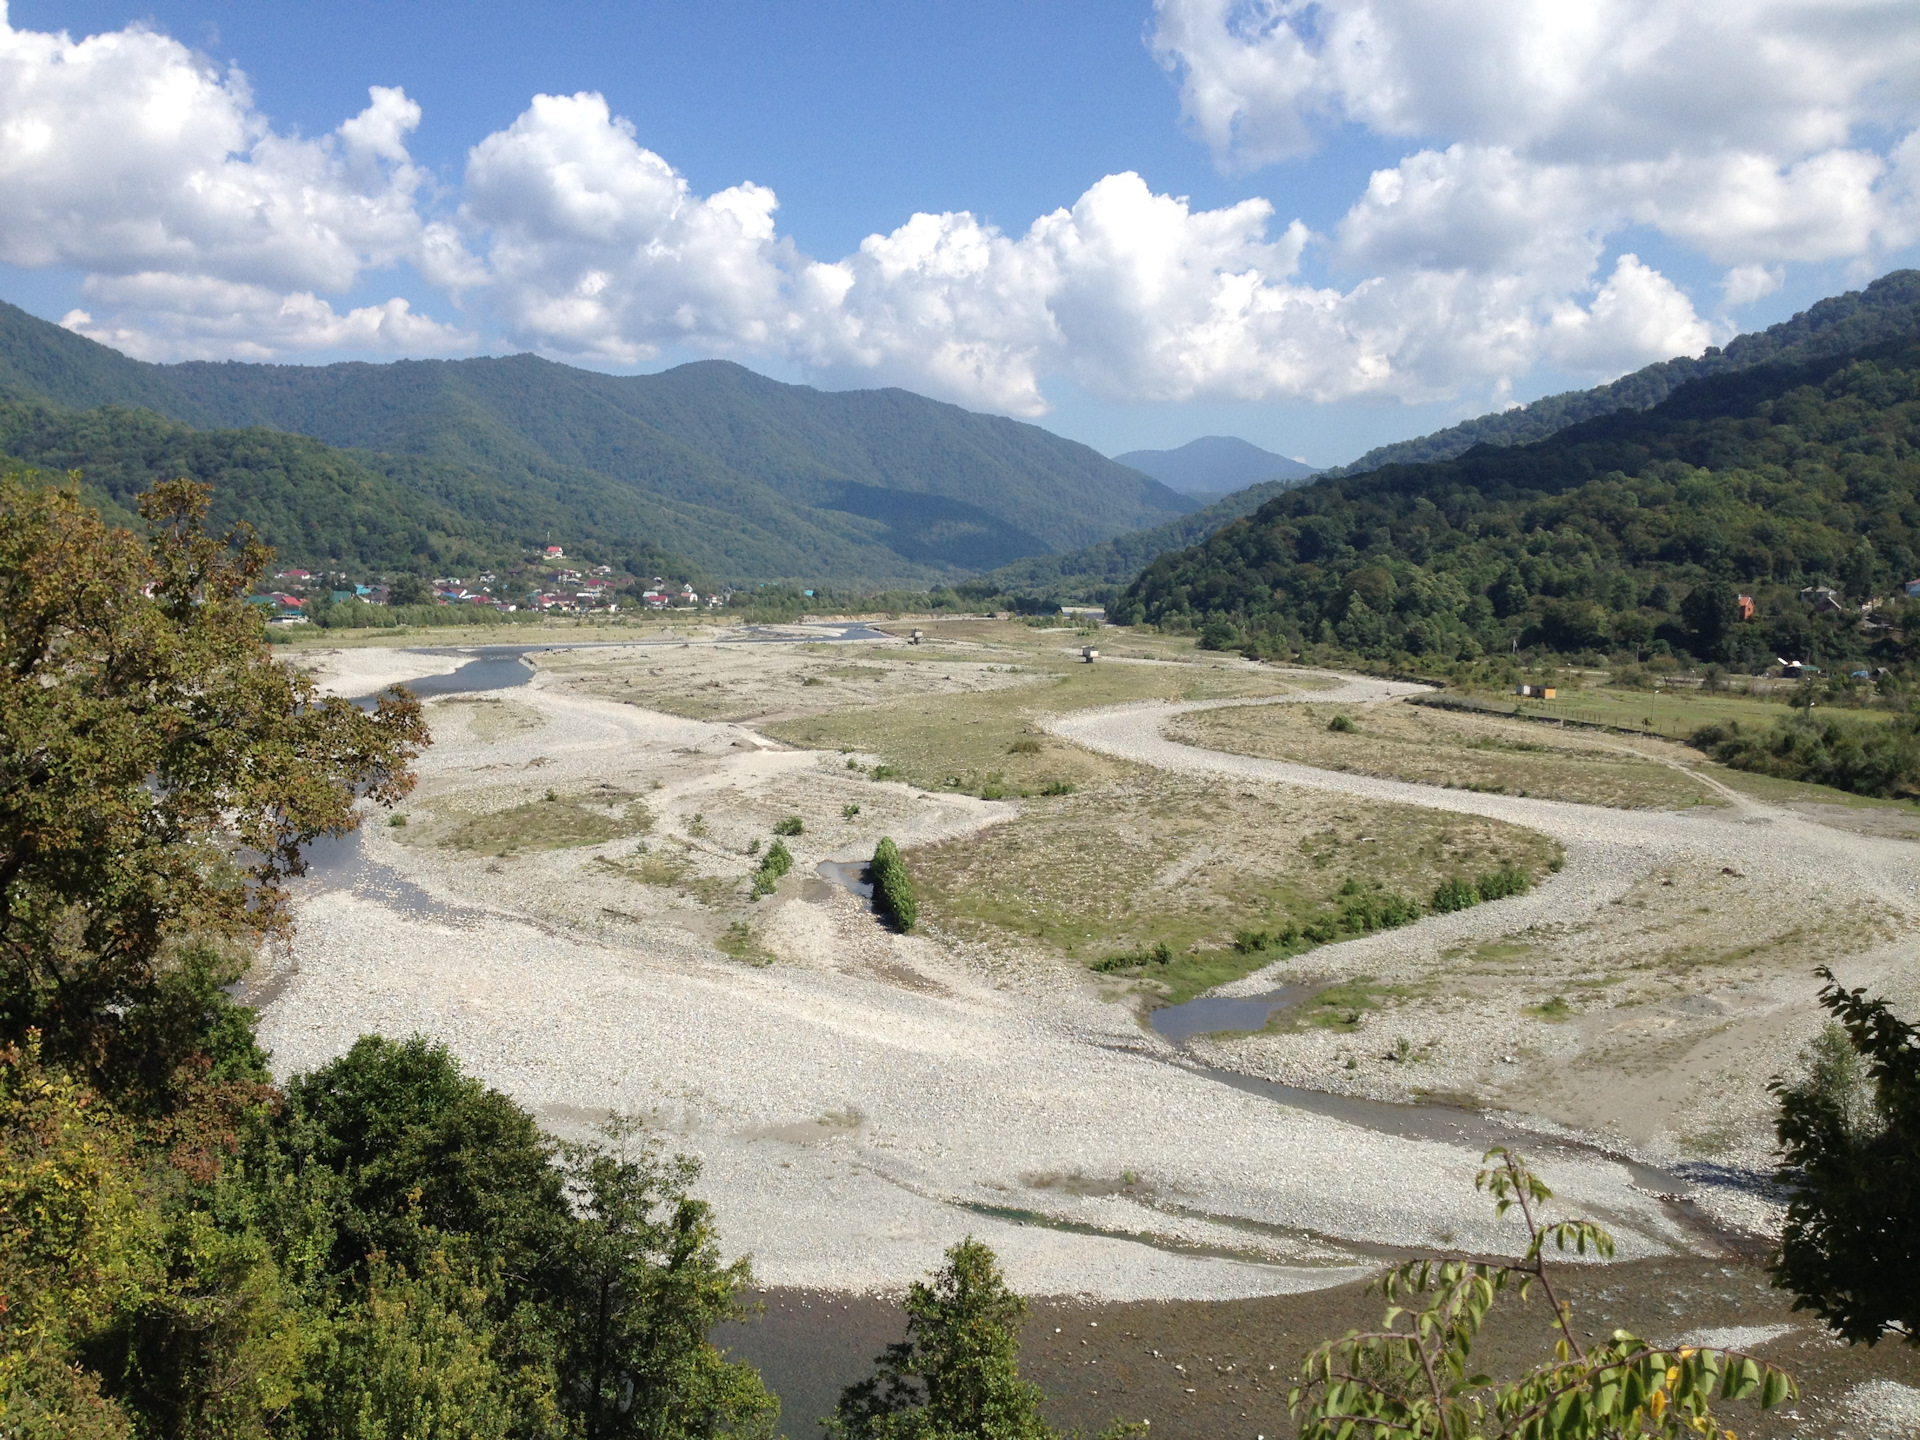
x: 870, y: 1098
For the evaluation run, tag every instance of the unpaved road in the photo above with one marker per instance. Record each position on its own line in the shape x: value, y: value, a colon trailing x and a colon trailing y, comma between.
x: 872, y: 1098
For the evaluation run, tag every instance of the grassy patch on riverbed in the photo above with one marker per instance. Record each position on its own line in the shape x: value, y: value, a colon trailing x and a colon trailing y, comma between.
x: 552, y: 822
x: 1457, y: 750
x: 1187, y: 863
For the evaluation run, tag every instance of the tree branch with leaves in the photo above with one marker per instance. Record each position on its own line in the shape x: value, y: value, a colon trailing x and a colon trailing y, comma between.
x: 1413, y: 1376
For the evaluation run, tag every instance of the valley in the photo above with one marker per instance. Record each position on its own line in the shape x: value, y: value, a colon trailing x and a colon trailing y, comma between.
x: 568, y: 905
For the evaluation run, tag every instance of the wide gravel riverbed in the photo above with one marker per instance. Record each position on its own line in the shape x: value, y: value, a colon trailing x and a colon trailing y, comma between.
x: 854, y: 1119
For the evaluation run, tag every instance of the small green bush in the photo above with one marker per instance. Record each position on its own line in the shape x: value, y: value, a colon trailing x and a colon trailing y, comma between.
x: 1160, y: 953
x: 1058, y: 787
x: 993, y: 789
x: 1507, y: 880
x: 1252, y: 942
x: 892, y: 886
x: 776, y: 862
x: 1027, y: 746
x: 1455, y: 894
x: 1320, y: 932
x: 1342, y: 724
x: 884, y: 772
x: 1369, y: 911
x: 397, y: 821
x: 847, y: 812
x: 791, y: 825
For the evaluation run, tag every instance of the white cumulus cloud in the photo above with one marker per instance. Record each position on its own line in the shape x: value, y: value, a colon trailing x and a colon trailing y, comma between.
x: 599, y: 248
x: 130, y: 157
x: 1537, y: 136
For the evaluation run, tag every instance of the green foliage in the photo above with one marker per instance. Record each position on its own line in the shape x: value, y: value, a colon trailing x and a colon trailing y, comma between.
x: 1454, y: 894
x: 893, y: 887
x: 1867, y: 758
x: 418, y: 1152
x: 957, y: 1374
x: 1252, y: 942
x: 1849, y: 1133
x: 1761, y: 482
x: 413, y: 1359
x: 790, y: 825
x: 1499, y: 884
x: 1342, y: 725
x: 1364, y: 910
x: 1412, y: 1377
x: 775, y: 863
x: 1059, y: 787
x: 642, y: 1284
x: 1159, y: 953
x: 158, y: 776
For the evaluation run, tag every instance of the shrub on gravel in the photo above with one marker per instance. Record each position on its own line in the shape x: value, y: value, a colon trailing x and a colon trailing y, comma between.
x: 892, y: 886
x: 1252, y: 942
x: 791, y: 825
x: 1366, y: 911
x: 1507, y: 880
x: 1342, y: 725
x: 776, y: 862
x: 1158, y: 954
x: 1455, y: 894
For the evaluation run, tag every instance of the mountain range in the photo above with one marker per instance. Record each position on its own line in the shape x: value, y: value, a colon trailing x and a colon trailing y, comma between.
x: 425, y: 463
x: 1214, y: 466
x: 436, y: 465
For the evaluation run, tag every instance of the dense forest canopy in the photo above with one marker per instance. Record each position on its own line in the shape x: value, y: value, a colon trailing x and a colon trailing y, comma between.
x: 1634, y: 532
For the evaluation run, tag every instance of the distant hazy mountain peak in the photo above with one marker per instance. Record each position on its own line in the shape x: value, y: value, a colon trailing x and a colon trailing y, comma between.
x: 1214, y: 465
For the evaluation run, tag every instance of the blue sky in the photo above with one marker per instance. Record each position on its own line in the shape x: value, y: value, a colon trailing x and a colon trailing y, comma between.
x: 1487, y: 267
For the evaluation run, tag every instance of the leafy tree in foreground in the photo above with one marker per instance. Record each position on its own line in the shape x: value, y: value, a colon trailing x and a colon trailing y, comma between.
x: 643, y: 1283
x: 1849, y: 1131
x: 957, y: 1373
x: 1413, y: 1376
x: 158, y: 776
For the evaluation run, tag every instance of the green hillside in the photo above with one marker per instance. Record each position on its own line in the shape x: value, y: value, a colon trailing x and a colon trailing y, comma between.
x: 1887, y: 309
x: 749, y: 478
x: 1632, y: 532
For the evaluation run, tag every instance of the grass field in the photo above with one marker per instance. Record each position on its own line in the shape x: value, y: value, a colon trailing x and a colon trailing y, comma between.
x: 1109, y: 859
x: 1458, y: 750
x: 1157, y: 860
x: 1674, y: 713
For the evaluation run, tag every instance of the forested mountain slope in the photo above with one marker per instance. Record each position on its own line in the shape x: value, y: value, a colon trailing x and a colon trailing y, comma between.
x: 1625, y: 532
x: 748, y: 477
x: 1887, y: 309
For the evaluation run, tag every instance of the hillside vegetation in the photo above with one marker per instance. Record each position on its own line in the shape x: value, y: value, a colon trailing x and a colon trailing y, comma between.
x: 1887, y: 309
x: 1634, y: 532
x: 749, y: 478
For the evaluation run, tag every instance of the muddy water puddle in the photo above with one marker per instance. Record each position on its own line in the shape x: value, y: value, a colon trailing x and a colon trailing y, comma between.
x: 852, y: 876
x: 1221, y: 1014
